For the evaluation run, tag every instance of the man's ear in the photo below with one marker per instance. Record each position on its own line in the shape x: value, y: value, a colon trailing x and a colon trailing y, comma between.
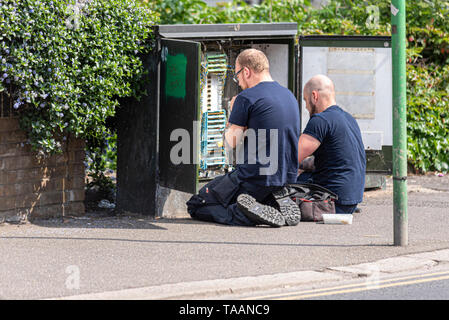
x: 247, y: 71
x: 314, y: 96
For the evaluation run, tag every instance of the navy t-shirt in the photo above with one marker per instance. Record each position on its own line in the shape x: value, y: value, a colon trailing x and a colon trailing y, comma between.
x: 340, y: 160
x: 269, y: 156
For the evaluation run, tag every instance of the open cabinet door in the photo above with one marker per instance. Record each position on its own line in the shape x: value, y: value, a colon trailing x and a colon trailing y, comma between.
x: 178, y: 114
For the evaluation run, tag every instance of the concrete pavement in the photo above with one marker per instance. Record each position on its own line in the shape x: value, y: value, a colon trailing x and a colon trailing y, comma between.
x: 124, y: 257
x: 243, y: 285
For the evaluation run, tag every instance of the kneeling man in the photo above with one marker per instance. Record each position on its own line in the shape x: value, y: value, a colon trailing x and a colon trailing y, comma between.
x: 333, y: 137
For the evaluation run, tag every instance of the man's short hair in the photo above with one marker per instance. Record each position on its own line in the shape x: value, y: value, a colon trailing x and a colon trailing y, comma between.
x: 253, y: 59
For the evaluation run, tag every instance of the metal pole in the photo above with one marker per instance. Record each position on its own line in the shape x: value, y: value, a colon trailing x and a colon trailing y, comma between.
x: 398, y: 37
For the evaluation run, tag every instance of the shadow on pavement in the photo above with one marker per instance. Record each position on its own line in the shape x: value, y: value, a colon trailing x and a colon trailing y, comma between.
x: 198, y: 242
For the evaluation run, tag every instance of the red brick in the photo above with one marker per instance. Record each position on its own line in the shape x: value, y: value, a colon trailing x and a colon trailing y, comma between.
x: 29, y: 183
x: 14, y: 149
x: 75, y: 195
x: 9, y: 124
x: 55, y: 211
x: 76, y: 208
x: 7, y: 203
x: 79, y: 182
x: 27, y: 201
x: 9, y: 190
x: 24, y: 175
x: 77, y: 156
x: 3, y: 177
x: 77, y: 144
x: 20, y: 162
x: 13, y: 136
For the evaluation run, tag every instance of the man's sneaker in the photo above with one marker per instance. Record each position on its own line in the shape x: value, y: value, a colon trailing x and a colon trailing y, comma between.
x: 288, y: 208
x: 259, y: 213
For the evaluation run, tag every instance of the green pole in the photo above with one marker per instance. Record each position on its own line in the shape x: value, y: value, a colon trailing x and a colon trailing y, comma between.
x: 398, y: 38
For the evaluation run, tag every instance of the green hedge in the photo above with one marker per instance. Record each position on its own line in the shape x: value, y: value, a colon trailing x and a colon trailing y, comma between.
x: 68, y: 62
x: 428, y: 52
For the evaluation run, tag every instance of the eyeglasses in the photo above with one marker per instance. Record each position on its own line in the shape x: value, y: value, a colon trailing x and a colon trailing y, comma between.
x: 236, y: 80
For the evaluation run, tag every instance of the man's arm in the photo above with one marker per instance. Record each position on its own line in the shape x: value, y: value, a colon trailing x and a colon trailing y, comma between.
x: 307, y: 146
x: 233, y: 133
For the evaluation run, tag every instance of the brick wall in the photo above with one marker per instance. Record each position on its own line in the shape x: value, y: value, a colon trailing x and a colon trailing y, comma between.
x: 31, y: 188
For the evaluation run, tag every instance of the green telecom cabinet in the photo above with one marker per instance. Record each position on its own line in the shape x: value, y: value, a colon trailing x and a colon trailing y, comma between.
x: 170, y: 142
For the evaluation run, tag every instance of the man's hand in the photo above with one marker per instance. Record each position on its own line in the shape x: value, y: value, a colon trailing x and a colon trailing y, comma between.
x: 233, y: 135
x: 307, y: 164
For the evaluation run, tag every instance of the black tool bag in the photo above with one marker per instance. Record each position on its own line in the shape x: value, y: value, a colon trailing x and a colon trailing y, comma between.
x: 313, y: 201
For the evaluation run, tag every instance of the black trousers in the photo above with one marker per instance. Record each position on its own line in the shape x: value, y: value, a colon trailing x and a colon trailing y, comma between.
x: 216, y: 201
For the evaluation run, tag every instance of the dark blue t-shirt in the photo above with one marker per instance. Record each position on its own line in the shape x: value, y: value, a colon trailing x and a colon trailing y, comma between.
x: 340, y: 160
x: 269, y: 156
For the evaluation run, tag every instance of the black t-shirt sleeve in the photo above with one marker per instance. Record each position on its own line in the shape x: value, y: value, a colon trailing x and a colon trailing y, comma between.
x: 240, y: 112
x: 317, y: 127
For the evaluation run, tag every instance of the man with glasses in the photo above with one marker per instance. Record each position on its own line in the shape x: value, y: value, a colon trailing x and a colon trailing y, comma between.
x: 264, y: 127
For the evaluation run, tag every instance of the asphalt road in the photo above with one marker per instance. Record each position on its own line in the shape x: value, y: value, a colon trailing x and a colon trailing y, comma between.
x: 434, y: 289
x: 426, y: 285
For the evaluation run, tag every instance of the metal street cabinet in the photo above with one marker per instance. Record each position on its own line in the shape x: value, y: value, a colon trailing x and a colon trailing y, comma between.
x: 170, y: 143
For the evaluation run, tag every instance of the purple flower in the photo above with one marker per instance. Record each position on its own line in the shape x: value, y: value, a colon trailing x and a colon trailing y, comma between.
x: 17, y: 104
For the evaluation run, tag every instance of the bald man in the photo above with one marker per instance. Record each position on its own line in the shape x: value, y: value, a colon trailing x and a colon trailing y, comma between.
x: 333, y: 137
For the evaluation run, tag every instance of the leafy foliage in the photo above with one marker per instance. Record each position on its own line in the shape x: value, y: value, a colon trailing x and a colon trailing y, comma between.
x: 428, y: 52
x: 427, y: 117
x: 68, y: 64
x: 65, y: 63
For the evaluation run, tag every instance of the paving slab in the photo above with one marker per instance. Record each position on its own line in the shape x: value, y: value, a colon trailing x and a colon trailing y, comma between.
x: 200, y: 289
x: 439, y: 256
x: 389, y: 265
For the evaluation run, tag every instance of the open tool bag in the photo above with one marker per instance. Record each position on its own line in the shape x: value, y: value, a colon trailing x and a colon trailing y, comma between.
x: 313, y: 200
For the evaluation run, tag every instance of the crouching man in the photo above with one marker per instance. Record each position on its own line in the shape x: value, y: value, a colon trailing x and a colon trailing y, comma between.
x: 264, y: 123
